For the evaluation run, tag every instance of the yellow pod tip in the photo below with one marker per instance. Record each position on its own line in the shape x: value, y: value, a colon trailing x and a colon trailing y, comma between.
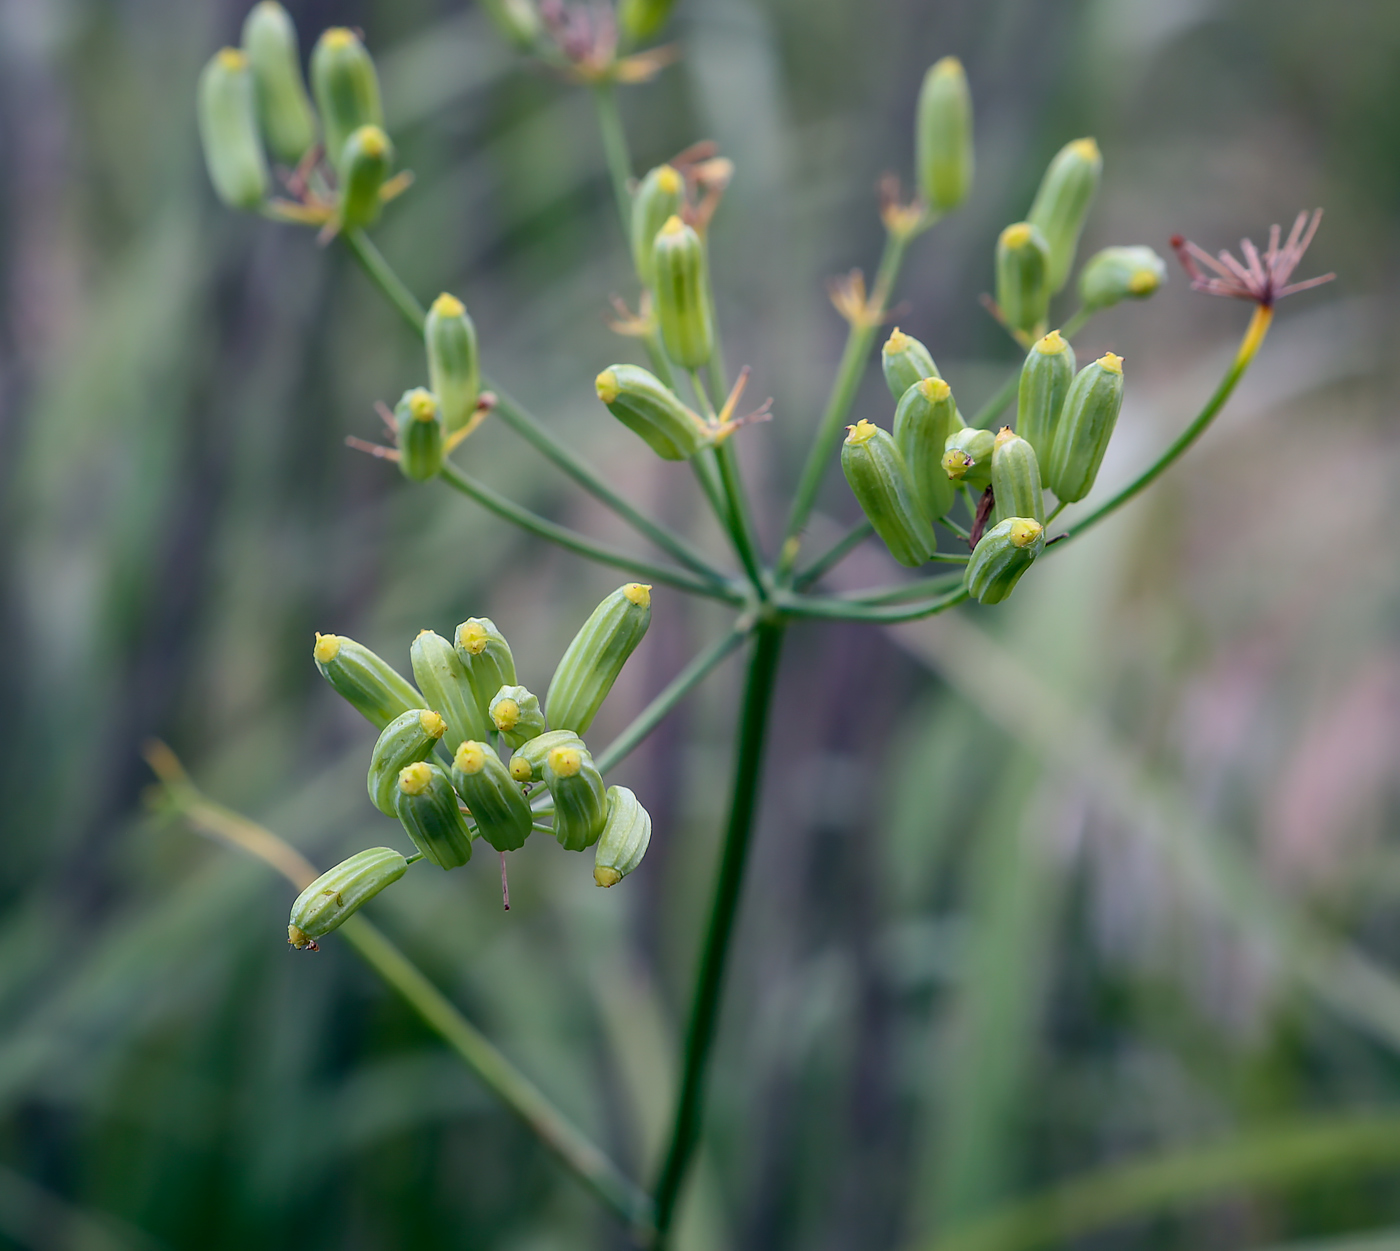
x: 1110, y: 362
x: 1016, y: 235
x: 565, y: 761
x: 673, y: 226
x: 1144, y: 282
x: 297, y: 938
x: 473, y: 637
x: 1025, y: 531
x: 897, y: 342
x: 605, y: 876
x: 948, y: 65
x: 956, y: 463
x: 422, y: 405
x: 470, y: 757
x: 233, y: 58
x: 449, y: 306
x: 1086, y: 149
x: 327, y: 647
x: 668, y: 180
x: 606, y: 384
x: 862, y: 432
x: 1004, y: 435
x: 339, y: 37
x: 520, y: 769
x: 506, y: 714
x: 432, y: 723
x: 638, y: 593
x: 373, y: 141
x: 1051, y: 344
x: 935, y: 389
x: 414, y: 779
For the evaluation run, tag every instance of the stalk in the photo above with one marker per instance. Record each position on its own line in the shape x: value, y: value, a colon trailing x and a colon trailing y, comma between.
x: 834, y: 555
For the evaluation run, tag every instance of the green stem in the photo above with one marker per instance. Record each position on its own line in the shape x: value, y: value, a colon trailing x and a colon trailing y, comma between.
x: 381, y: 273
x: 615, y: 150
x: 676, y: 690
x: 709, y: 983
x: 846, y: 610
x: 910, y: 590
x: 957, y: 529
x: 564, y: 537
x: 834, y: 555
x: 995, y: 406
x: 1076, y: 323
x: 1056, y: 511
x: 741, y: 527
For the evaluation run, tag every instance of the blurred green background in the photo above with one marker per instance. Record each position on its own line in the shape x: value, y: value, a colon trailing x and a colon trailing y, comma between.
x: 1070, y: 923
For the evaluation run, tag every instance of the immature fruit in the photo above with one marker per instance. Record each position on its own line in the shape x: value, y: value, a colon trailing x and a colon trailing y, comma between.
x: 1004, y: 553
x: 641, y: 19
x: 879, y: 479
x: 420, y: 434
x: 408, y: 738
x: 372, y: 686
x: 228, y: 129
x: 527, y: 764
x: 967, y: 457
x: 943, y: 138
x: 658, y: 198
x: 442, y: 677
x: 1062, y: 203
x: 516, y: 714
x: 1016, y: 478
x: 1023, y: 277
x: 365, y: 162
x: 623, y: 843
x: 1045, y: 381
x: 340, y: 892
x: 284, y: 108
x: 593, y: 660
x: 1116, y: 274
x: 517, y: 20
x: 580, y: 803
x: 924, y: 419
x: 454, y: 370
x: 681, y: 294
x: 1086, y: 425
x: 346, y: 88
x: 484, y: 651
x: 500, y: 812
x: 905, y: 361
x: 426, y: 804
x: 649, y: 408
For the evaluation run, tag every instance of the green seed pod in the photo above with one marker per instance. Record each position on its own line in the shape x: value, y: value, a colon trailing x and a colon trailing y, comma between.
x: 924, y: 419
x: 1120, y: 274
x: 593, y: 660
x: 1062, y: 204
x: 341, y: 891
x: 228, y: 129
x: 658, y: 199
x: 967, y: 457
x: 407, y: 739
x: 527, y: 764
x: 580, y: 802
x: 641, y: 19
x: 426, y: 804
x: 420, y: 434
x: 501, y: 812
x: 624, y: 840
x: 1086, y: 425
x: 1016, y: 478
x: 484, y: 651
x: 905, y: 361
x: 284, y: 108
x: 1045, y: 379
x: 365, y: 162
x: 346, y: 88
x: 646, y: 406
x: 1001, y: 556
x: 454, y: 369
x: 1023, y: 277
x: 515, y: 712
x: 442, y: 677
x: 879, y: 479
x: 944, y: 136
x: 375, y: 690
x: 517, y: 21
x: 680, y: 291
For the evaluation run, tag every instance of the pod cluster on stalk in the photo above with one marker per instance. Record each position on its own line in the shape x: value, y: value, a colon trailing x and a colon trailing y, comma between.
x: 466, y: 753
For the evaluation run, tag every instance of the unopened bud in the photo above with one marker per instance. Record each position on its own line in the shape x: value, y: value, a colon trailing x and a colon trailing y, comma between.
x: 228, y: 129
x: 595, y: 657
x: 1023, y: 277
x: 944, y: 136
x: 1045, y: 380
x: 1016, y: 478
x: 284, y: 108
x: 346, y: 88
x: 641, y: 19
x: 407, y: 739
x: 905, y: 361
x: 527, y: 764
x: 924, y: 419
x: 489, y: 663
x: 649, y: 408
x: 499, y: 810
x: 879, y: 479
x: 442, y: 677
x: 680, y: 292
x: 1116, y: 274
x: 341, y: 892
x: 517, y: 20
x: 365, y: 162
x: 364, y: 680
x: 658, y: 198
x: 967, y: 457
x: 580, y: 802
x: 1062, y: 203
x: 1086, y: 425
x: 515, y: 712
x: 454, y: 370
x: 626, y: 834
x: 426, y: 805
x: 420, y: 434
x: 1002, y: 555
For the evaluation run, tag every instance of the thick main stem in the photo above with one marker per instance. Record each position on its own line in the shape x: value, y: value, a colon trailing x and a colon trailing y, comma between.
x: 724, y: 905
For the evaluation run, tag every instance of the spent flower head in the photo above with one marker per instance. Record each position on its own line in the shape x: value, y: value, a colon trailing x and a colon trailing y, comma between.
x: 1260, y: 279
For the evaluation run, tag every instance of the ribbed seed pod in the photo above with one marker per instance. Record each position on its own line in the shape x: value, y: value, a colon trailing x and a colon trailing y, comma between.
x: 641, y: 19
x: 1120, y: 274
x: 454, y: 368
x: 658, y: 199
x: 426, y: 804
x: 527, y: 764
x: 905, y: 361
x: 924, y: 419
x: 593, y: 660
x: 484, y: 651
x: 442, y: 677
x: 228, y: 129
x: 365, y: 162
x: 649, y: 408
x: 580, y: 802
x: 501, y: 813
x: 1045, y: 380
x: 967, y: 457
x: 943, y: 140
x: 623, y: 843
x: 346, y: 88
x: 680, y: 292
x: 369, y: 684
x: 284, y: 109
x: 1062, y: 203
x: 1002, y: 555
x: 515, y: 712
x: 341, y: 892
x: 1016, y: 478
x: 1086, y: 425
x: 1023, y: 277
x: 420, y: 434
x: 407, y: 739
x: 879, y: 479
x: 517, y: 20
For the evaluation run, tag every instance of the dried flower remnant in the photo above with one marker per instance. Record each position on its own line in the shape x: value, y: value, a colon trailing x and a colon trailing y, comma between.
x: 1264, y: 280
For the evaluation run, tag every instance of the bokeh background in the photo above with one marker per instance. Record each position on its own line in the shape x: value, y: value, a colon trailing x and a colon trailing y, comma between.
x: 1072, y: 923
